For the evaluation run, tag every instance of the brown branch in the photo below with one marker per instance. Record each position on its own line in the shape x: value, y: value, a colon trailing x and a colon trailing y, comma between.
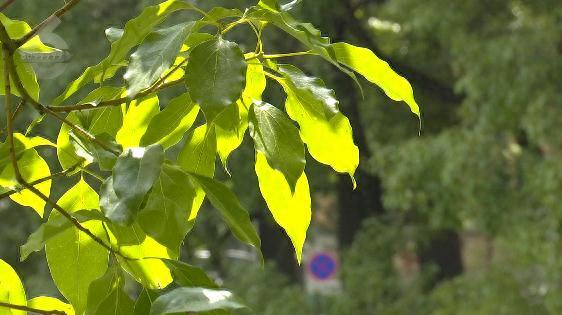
x: 115, y: 102
x: 6, y: 4
x: 30, y: 309
x: 57, y: 14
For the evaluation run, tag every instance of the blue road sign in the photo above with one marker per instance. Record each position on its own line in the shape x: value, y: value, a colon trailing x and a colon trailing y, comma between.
x: 323, y: 266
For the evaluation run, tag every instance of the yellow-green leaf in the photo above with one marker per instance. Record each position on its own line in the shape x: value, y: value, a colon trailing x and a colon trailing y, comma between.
x: 292, y: 211
x: 32, y: 167
x: 199, y: 153
x: 136, y: 121
x: 50, y: 304
x: 377, y: 71
x: 134, y: 243
x: 74, y: 259
x: 11, y: 289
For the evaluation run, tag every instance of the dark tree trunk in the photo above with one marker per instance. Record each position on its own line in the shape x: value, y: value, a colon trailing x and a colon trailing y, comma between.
x: 443, y: 252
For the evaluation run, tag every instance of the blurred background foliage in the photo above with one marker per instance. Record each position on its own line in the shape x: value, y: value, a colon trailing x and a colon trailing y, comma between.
x: 464, y: 219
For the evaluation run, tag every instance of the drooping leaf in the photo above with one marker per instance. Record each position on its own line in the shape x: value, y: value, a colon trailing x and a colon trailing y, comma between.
x: 307, y: 102
x: 216, y: 75
x: 189, y: 276
x: 11, y: 289
x: 235, y: 216
x: 199, y: 152
x: 232, y: 123
x: 133, y: 242
x: 136, y: 121
x: 154, y: 56
x: 74, y: 259
x: 106, y: 120
x: 377, y: 71
x: 134, y: 174
x: 36, y: 241
x: 183, y: 300
x: 165, y: 216
x: 168, y: 127
x: 32, y: 167
x: 292, y: 211
x: 50, y: 304
x: 134, y: 32
x: 278, y: 139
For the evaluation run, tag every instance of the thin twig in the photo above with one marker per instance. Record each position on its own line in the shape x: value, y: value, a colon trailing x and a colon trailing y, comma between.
x: 57, y: 14
x: 30, y: 309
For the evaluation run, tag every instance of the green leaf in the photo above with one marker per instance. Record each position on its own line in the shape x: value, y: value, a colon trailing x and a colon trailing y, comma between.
x: 216, y: 75
x: 100, y: 288
x: 74, y: 259
x: 50, y: 304
x: 146, y: 269
x: 32, y: 167
x: 183, y: 300
x: 134, y: 33
x: 11, y: 289
x: 310, y: 91
x: 232, y: 123
x: 292, y: 211
x: 189, y: 276
x: 165, y: 216
x: 168, y: 127
x: 108, y: 297
x: 377, y: 71
x: 232, y: 212
x: 136, y: 121
x: 113, y: 34
x: 17, y: 29
x: 199, y: 152
x: 154, y: 56
x: 307, y: 106
x: 36, y: 241
x: 106, y: 120
x: 134, y: 174
x: 144, y: 302
x: 276, y: 137
x: 93, y: 152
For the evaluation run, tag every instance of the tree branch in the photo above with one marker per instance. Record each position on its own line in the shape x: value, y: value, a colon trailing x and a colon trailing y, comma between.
x: 30, y: 309
x: 57, y: 14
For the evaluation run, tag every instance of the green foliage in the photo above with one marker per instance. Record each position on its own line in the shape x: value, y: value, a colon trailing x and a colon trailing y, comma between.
x: 140, y: 186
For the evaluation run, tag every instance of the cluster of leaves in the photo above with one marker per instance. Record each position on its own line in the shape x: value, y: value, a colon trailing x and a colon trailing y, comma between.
x: 148, y: 198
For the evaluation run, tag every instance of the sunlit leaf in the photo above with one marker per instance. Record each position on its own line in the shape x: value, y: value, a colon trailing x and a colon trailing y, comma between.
x: 75, y: 260
x: 136, y: 121
x: 168, y: 127
x: 377, y: 71
x: 50, y: 304
x: 11, y: 289
x: 199, y: 152
x: 292, y: 211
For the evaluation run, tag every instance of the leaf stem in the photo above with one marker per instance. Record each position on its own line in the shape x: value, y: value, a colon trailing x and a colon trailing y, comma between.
x: 300, y: 53
x: 30, y: 309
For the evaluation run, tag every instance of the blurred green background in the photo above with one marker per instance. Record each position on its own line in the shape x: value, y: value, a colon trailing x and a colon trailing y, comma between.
x: 464, y: 219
